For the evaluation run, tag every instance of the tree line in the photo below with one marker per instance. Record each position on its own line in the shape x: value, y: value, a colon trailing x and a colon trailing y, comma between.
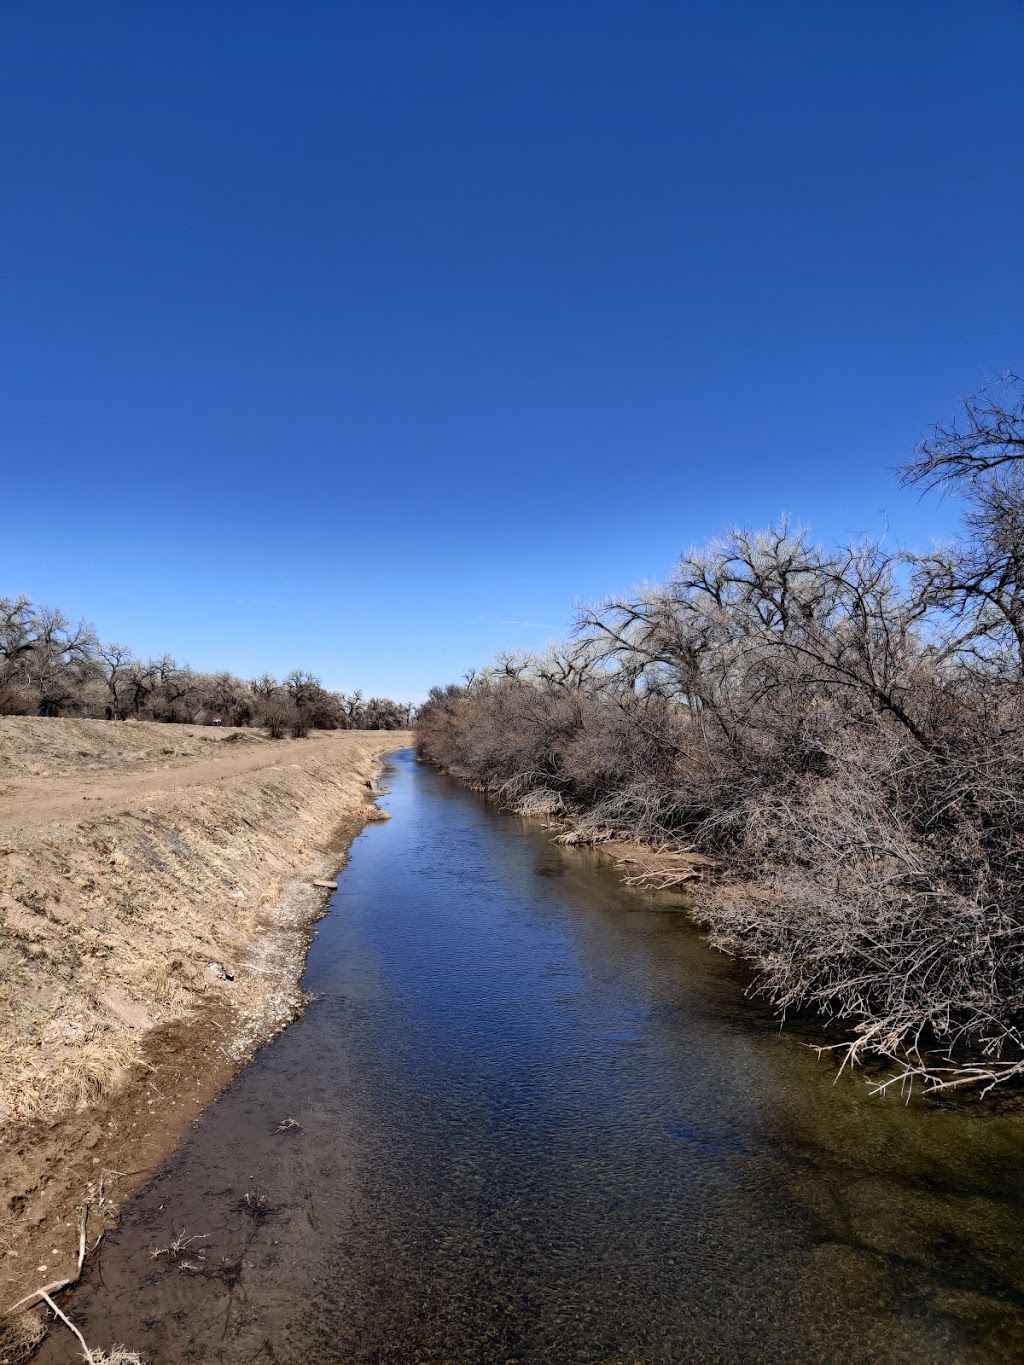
x: 53, y: 666
x: 834, y: 733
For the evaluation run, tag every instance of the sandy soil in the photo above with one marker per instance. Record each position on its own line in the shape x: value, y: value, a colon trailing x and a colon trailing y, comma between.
x: 155, y: 903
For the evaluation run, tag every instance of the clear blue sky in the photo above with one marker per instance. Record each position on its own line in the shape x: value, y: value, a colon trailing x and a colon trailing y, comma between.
x: 365, y: 337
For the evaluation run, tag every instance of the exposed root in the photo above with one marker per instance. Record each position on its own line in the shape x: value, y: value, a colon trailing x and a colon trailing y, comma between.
x: 23, y: 1333
x: 56, y: 1285
x: 118, y: 1356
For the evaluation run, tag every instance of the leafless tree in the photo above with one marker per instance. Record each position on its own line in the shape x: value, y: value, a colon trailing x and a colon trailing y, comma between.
x: 988, y: 436
x: 16, y: 643
x: 50, y: 665
x: 979, y: 579
x: 117, y: 663
x: 59, y: 660
x: 836, y: 732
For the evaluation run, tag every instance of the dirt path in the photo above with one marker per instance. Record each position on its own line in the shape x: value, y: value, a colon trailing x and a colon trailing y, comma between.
x: 31, y: 802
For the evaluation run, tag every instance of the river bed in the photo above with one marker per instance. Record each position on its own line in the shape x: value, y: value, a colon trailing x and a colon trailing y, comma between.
x: 534, y: 1118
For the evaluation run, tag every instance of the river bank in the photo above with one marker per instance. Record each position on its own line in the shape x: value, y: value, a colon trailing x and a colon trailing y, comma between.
x: 155, y: 902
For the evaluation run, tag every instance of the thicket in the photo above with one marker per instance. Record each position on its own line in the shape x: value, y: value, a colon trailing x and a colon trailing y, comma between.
x: 837, y: 733
x: 52, y: 666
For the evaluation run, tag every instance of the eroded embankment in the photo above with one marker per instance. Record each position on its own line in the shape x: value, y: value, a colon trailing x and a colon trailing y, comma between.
x: 154, y: 908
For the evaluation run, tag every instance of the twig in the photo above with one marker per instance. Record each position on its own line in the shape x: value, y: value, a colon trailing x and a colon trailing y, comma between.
x: 68, y: 1323
x: 48, y: 1289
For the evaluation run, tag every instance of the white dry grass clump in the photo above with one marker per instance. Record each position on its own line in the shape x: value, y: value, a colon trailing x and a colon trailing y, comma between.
x: 541, y: 801
x: 20, y: 1334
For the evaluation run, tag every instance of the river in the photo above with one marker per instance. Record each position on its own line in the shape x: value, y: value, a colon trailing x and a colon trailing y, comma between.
x: 538, y: 1120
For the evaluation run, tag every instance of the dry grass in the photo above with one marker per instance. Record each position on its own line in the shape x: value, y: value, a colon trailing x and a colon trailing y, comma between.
x: 20, y: 1334
x: 118, y: 1356
x: 181, y: 1252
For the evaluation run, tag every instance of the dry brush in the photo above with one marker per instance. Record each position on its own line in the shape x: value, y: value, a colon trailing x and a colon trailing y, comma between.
x: 836, y: 734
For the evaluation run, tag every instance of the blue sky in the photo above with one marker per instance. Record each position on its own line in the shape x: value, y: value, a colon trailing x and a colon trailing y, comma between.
x: 366, y: 337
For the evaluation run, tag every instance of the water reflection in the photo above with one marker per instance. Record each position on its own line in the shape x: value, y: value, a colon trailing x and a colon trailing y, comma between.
x: 539, y: 1121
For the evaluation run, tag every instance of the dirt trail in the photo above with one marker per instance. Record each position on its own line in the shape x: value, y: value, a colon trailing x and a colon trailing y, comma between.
x: 31, y: 802
x: 155, y: 910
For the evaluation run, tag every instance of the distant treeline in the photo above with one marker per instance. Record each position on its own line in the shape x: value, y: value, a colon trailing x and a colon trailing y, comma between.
x: 836, y: 734
x: 52, y: 666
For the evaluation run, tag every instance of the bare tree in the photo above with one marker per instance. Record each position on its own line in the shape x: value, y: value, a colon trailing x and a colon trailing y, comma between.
x: 978, y: 580
x: 117, y: 663
x: 61, y: 661
x: 53, y: 666
x: 16, y: 643
x: 836, y: 732
x: 988, y: 436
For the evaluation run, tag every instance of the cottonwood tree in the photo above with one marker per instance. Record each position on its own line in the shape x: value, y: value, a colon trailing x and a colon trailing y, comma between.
x: 61, y: 660
x: 117, y: 662
x: 978, y: 580
x: 839, y: 727
x: 16, y: 642
x: 53, y: 666
x: 986, y: 437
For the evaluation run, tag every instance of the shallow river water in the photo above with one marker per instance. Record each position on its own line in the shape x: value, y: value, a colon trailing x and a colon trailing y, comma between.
x: 539, y: 1121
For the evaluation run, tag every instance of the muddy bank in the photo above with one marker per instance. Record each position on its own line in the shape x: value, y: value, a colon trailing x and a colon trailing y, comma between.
x: 155, y: 902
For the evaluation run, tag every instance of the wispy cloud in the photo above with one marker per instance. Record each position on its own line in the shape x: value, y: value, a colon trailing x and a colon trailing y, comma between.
x: 502, y: 621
